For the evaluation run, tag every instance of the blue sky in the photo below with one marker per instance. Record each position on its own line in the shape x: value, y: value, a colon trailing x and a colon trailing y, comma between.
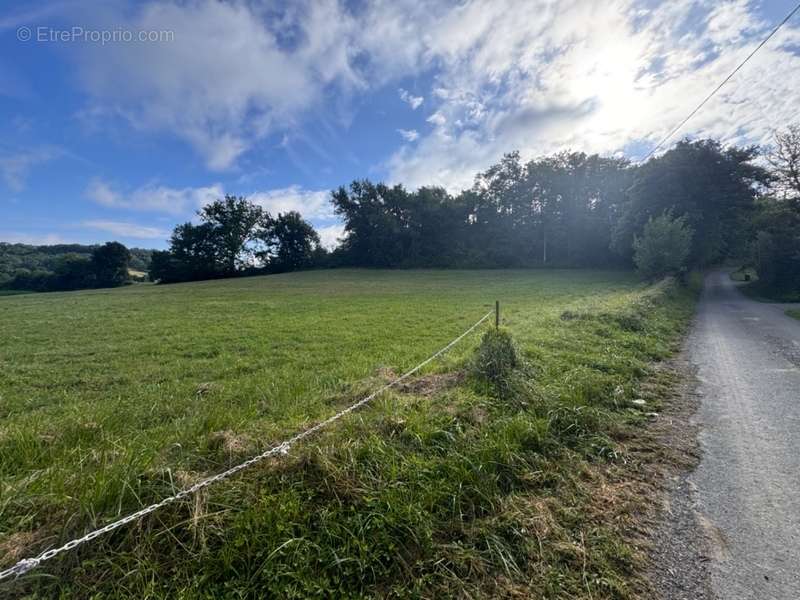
x: 281, y: 102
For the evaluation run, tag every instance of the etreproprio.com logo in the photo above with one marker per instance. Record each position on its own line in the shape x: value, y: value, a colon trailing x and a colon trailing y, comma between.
x: 93, y: 36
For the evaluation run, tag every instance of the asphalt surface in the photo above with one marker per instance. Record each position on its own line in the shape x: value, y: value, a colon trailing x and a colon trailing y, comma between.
x: 746, y: 489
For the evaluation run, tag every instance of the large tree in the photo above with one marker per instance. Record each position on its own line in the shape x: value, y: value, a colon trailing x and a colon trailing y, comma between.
x: 73, y: 272
x: 236, y: 223
x: 663, y: 247
x: 291, y: 243
x: 195, y: 253
x: 393, y: 227
x: 714, y: 187
x: 775, y: 232
x: 234, y: 237
x: 784, y: 158
x: 775, y: 247
x: 110, y: 264
x: 375, y: 223
x: 552, y: 210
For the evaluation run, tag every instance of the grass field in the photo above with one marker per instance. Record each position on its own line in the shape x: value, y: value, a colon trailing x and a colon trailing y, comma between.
x: 794, y: 312
x: 13, y: 292
x: 112, y: 399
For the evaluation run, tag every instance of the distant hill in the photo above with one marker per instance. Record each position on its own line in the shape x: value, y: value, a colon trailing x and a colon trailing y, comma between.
x: 25, y: 257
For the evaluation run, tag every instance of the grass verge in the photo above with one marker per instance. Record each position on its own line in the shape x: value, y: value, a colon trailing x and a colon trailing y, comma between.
x: 453, y: 485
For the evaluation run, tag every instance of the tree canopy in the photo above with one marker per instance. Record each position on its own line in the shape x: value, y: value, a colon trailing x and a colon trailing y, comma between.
x: 290, y: 243
x: 664, y: 246
x: 570, y: 209
x: 692, y: 206
x: 102, y: 266
x: 236, y: 237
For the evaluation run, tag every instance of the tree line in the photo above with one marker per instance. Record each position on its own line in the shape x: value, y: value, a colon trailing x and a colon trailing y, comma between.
x: 65, y: 267
x: 691, y: 207
x: 236, y: 237
x: 566, y: 210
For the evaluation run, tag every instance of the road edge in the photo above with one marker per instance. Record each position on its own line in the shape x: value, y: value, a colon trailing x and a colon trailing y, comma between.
x: 678, y: 555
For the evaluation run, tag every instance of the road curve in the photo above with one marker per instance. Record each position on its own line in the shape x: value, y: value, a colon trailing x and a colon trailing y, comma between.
x: 747, y: 485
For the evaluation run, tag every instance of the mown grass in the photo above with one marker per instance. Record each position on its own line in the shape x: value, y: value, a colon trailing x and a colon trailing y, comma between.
x: 453, y: 486
x: 794, y: 312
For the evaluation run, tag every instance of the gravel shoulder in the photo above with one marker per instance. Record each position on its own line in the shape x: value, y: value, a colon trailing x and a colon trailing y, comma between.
x: 678, y: 553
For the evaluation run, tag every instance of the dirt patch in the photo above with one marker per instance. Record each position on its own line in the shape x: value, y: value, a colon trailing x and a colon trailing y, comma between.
x: 17, y: 546
x: 232, y: 443
x: 386, y: 373
x: 428, y: 385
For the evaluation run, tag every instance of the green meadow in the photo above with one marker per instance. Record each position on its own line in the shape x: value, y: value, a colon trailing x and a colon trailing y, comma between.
x: 450, y: 485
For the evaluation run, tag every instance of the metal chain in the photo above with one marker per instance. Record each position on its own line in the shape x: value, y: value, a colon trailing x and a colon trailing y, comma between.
x: 26, y: 564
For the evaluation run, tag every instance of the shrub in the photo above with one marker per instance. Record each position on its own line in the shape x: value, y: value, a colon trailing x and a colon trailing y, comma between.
x: 663, y: 247
x: 496, y: 356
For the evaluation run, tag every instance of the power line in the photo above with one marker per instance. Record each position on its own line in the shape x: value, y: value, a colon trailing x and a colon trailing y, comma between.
x: 719, y: 87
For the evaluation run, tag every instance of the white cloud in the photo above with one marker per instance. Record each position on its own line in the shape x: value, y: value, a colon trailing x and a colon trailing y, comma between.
x: 100, y: 192
x: 175, y: 201
x: 15, y: 168
x: 437, y: 119
x: 330, y: 235
x: 408, y: 135
x: 154, y: 198
x: 537, y: 76
x: 229, y: 77
x: 311, y: 204
x: 413, y: 101
x: 543, y: 76
x: 34, y: 239
x: 127, y: 230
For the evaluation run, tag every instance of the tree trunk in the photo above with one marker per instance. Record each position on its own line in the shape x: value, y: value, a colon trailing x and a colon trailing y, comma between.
x: 544, y: 247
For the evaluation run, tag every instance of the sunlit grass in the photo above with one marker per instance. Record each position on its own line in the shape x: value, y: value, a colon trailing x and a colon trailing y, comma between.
x: 111, y: 399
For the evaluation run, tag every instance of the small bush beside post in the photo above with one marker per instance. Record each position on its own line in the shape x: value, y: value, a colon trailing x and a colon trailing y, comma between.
x: 496, y: 356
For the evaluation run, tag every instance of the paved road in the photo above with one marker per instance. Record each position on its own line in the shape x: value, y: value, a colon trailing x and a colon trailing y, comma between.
x: 747, y: 485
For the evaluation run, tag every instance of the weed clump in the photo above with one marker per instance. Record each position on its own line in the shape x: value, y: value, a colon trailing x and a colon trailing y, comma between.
x: 496, y: 357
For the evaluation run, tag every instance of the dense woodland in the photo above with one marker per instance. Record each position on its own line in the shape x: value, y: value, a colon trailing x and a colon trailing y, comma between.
x: 694, y: 206
x: 566, y: 210
x: 70, y: 266
x: 699, y: 202
x: 67, y: 266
